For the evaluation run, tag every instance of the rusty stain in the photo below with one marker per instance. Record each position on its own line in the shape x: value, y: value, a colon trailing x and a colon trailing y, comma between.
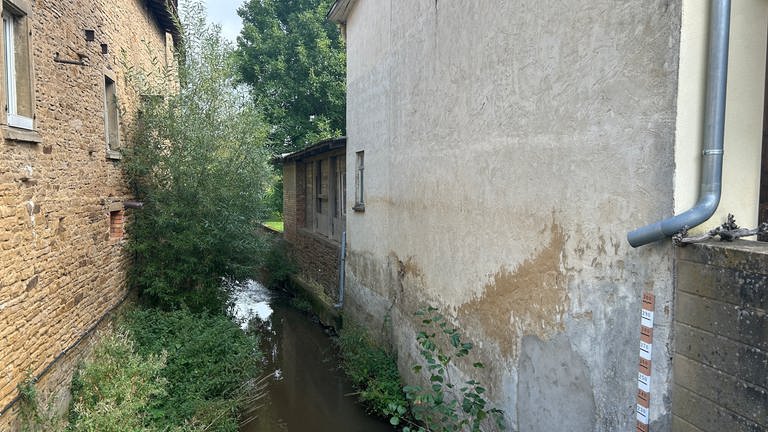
x: 408, y: 268
x: 531, y: 300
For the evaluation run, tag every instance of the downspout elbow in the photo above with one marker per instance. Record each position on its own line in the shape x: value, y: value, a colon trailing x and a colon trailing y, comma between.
x: 697, y: 215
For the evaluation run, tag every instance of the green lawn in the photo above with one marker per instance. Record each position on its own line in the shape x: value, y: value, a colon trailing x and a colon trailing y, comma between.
x: 276, y: 225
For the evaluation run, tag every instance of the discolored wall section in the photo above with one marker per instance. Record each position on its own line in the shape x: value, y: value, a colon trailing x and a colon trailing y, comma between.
x: 509, y: 147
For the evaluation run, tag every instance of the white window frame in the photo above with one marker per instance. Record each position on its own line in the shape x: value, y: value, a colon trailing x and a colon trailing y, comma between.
x: 14, y: 119
x: 113, y: 145
x: 359, y: 181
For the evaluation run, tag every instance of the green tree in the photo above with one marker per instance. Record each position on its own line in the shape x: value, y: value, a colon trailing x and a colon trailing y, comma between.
x: 295, y: 61
x: 199, y: 165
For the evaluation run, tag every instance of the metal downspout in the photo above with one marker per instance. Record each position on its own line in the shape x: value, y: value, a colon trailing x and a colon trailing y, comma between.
x: 712, y: 147
x: 342, y: 269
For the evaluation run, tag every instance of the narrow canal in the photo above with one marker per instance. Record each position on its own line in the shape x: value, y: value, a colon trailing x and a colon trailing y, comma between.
x: 308, y: 390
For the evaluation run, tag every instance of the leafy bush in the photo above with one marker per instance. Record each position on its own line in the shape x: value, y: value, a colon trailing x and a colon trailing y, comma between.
x: 208, y: 359
x: 444, y: 405
x: 112, y: 391
x: 279, y: 264
x: 199, y: 166
x: 372, y: 369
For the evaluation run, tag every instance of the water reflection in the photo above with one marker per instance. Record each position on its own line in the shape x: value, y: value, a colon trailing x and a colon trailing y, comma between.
x: 307, y: 391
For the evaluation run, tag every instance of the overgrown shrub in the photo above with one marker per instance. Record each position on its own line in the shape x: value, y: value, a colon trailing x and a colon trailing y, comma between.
x: 208, y: 359
x: 112, y: 391
x: 372, y: 369
x: 279, y: 264
x: 199, y: 166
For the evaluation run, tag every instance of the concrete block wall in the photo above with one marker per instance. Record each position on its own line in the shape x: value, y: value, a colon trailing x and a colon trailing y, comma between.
x: 61, y: 271
x: 721, y: 338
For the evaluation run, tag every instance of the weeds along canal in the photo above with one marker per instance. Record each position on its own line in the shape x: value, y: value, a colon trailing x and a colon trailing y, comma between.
x: 306, y: 391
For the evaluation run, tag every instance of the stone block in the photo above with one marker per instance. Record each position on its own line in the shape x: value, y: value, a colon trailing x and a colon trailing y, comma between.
x: 734, y: 358
x: 745, y: 325
x: 737, y: 396
x: 707, y: 415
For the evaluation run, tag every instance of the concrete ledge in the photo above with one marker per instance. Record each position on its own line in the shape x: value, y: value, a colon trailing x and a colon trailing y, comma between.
x: 322, y: 305
x: 743, y: 255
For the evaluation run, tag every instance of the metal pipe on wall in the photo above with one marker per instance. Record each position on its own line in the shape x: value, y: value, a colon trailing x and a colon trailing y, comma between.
x: 342, y: 266
x: 712, y: 147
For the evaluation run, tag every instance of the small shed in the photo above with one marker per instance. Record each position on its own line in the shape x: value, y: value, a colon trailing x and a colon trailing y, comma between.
x: 314, y: 211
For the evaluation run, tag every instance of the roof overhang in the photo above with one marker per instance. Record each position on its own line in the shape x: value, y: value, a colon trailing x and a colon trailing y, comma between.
x: 340, y: 11
x: 317, y: 149
x: 166, y: 14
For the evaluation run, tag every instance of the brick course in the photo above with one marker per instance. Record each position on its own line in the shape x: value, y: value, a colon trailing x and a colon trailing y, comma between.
x: 61, y: 272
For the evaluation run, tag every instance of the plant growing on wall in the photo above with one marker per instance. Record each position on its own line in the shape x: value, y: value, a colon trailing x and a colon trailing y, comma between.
x: 199, y: 166
x: 444, y: 405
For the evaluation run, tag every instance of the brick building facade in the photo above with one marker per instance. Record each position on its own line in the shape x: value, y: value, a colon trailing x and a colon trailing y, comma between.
x: 69, y: 106
x: 314, y: 213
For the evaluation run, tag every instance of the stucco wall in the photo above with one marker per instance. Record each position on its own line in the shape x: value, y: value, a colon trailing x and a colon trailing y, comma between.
x: 509, y: 147
x: 60, y: 270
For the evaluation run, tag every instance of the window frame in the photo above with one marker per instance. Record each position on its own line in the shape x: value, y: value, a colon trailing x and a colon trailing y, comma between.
x: 359, y: 181
x: 12, y: 12
x: 111, y: 109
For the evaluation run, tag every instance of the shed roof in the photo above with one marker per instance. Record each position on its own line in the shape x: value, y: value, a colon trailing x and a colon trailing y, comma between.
x: 316, y: 149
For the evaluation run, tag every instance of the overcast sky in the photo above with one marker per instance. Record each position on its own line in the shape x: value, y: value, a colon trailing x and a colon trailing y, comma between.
x: 224, y: 12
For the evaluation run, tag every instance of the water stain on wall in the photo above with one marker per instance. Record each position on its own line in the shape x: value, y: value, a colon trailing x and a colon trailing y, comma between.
x: 530, y: 300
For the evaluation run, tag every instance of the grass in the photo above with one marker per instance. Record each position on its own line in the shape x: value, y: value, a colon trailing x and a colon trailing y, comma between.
x: 275, y: 224
x: 372, y: 369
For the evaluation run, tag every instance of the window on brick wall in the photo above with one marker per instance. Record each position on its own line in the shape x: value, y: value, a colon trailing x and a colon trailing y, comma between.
x: 19, y: 100
x: 111, y: 119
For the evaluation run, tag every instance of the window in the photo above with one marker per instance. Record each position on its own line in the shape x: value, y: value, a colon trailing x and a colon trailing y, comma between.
x: 19, y: 99
x: 111, y: 119
x: 323, y: 198
x: 360, y: 182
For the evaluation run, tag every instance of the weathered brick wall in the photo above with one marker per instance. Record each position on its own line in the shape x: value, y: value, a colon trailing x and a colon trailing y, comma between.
x: 317, y: 257
x: 721, y: 338
x: 318, y: 261
x: 60, y: 270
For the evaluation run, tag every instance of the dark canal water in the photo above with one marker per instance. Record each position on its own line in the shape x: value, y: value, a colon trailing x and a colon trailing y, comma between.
x: 307, y: 391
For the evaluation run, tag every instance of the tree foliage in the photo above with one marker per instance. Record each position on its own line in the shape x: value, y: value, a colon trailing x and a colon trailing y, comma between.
x: 199, y: 165
x: 295, y: 61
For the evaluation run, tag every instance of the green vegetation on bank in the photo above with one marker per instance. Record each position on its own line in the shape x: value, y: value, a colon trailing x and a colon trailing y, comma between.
x: 442, y: 404
x: 372, y: 369
x: 166, y: 371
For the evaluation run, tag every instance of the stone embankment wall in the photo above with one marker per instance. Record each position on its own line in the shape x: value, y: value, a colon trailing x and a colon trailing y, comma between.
x: 61, y: 269
x: 721, y: 338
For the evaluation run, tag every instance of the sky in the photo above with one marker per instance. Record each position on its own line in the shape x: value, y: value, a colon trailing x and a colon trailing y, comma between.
x: 224, y: 12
